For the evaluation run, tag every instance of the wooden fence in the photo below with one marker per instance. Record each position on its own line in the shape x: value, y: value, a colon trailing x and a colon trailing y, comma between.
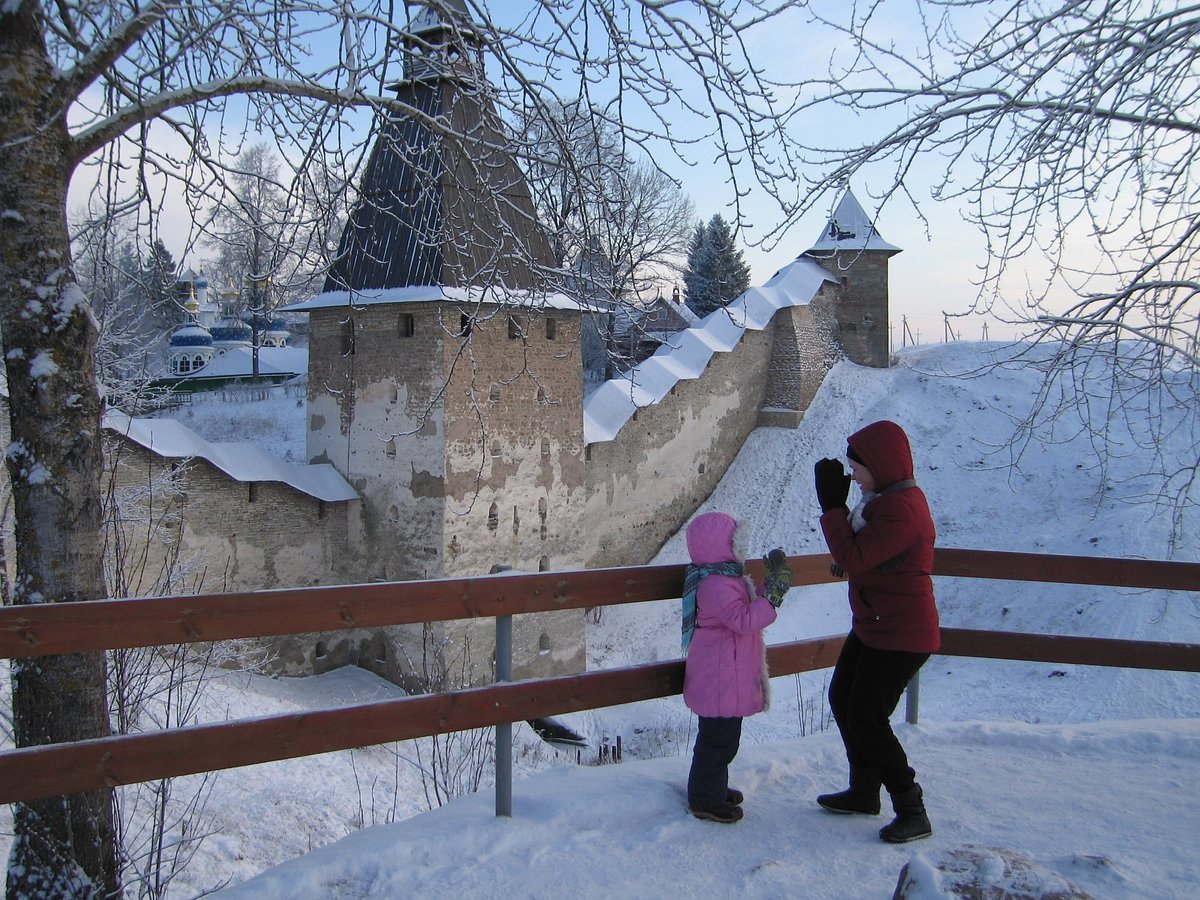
x: 36, y: 630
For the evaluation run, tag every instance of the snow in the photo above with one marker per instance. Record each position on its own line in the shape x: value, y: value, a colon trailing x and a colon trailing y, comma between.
x: 427, y: 293
x: 854, y: 230
x: 1088, y: 772
x: 240, y: 460
x: 686, y: 354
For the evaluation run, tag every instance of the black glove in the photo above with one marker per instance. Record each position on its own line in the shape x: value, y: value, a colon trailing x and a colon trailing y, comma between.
x: 779, y: 576
x: 833, y: 484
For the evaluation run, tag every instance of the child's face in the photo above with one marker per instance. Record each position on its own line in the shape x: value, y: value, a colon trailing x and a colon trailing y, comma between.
x: 862, y: 476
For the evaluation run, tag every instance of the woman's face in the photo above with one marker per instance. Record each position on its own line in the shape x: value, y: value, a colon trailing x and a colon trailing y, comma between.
x: 862, y: 476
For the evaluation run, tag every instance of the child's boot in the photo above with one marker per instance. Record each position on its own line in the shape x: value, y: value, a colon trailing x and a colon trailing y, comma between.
x: 911, y: 822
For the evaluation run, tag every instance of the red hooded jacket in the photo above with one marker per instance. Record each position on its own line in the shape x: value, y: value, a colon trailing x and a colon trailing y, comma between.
x: 889, y: 561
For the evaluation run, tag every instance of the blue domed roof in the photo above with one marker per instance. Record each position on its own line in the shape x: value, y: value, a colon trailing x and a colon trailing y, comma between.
x: 230, y: 330
x: 191, y: 335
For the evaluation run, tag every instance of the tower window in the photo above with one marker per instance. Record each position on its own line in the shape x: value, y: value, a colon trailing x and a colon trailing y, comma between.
x: 252, y: 493
x: 514, y: 328
x: 493, y: 517
x: 495, y: 448
x: 407, y: 326
x: 464, y: 325
x: 545, y: 446
x: 347, y: 335
x: 551, y: 329
x: 543, y: 564
x: 495, y: 395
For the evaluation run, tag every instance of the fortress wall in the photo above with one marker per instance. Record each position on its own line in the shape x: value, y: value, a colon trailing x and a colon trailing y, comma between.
x: 649, y: 480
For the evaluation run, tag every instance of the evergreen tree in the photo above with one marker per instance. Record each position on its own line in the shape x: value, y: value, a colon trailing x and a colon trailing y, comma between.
x: 160, y: 302
x: 716, y: 270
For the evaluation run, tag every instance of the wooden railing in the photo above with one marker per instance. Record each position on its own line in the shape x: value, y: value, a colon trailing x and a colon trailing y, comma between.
x: 27, y: 631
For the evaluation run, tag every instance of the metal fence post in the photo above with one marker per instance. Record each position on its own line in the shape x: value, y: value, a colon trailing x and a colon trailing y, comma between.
x: 504, y: 730
x: 912, y: 699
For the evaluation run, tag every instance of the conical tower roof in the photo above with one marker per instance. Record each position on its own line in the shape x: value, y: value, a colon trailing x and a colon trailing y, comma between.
x: 850, y: 230
x: 445, y: 206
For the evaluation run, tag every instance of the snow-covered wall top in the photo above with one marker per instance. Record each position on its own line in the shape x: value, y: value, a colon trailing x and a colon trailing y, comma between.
x: 240, y: 460
x: 686, y: 354
x: 426, y: 293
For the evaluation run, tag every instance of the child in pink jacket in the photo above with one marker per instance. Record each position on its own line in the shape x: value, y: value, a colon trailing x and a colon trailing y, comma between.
x: 726, y: 669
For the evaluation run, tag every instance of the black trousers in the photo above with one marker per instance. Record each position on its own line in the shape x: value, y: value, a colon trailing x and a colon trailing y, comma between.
x: 865, y: 688
x: 717, y: 741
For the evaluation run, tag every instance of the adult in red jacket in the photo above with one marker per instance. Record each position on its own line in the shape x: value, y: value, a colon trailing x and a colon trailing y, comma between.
x: 885, y: 548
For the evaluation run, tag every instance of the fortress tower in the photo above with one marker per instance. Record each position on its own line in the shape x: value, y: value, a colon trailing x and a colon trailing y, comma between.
x: 445, y: 382
x: 852, y: 250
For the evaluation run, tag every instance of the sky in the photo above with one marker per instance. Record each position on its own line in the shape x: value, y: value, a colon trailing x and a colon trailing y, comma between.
x: 934, y: 273
x: 1087, y: 772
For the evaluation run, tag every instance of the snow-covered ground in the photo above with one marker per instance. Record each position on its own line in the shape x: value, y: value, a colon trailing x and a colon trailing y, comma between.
x: 1090, y: 772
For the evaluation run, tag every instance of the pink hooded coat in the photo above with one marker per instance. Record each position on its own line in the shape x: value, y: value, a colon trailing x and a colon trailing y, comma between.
x: 726, y: 671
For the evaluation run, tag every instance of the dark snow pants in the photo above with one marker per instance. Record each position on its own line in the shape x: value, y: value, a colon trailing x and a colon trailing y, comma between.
x: 864, y: 690
x: 717, y: 741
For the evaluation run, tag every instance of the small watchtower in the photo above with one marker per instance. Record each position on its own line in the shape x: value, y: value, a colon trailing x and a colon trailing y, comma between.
x: 852, y: 250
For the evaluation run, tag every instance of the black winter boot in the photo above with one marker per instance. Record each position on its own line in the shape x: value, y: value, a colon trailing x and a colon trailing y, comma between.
x: 725, y: 813
x: 850, y: 801
x: 862, y: 796
x: 911, y: 822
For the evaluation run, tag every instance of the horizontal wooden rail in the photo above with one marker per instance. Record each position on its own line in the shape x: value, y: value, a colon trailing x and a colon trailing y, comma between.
x: 1101, y: 570
x: 1084, y: 651
x: 42, y: 629
x: 35, y: 772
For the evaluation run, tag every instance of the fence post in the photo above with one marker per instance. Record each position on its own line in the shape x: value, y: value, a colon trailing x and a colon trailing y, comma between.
x: 912, y: 699
x: 504, y: 730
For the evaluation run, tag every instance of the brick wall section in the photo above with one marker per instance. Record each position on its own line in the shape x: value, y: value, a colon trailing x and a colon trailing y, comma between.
x: 804, y: 349
x: 514, y: 446
x: 646, y: 482
x: 228, y: 541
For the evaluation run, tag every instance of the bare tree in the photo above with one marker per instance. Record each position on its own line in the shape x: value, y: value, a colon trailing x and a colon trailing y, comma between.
x: 1066, y: 132
x: 137, y: 99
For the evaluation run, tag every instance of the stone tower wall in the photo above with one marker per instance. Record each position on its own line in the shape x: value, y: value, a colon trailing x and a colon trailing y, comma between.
x: 375, y: 412
x: 862, y: 308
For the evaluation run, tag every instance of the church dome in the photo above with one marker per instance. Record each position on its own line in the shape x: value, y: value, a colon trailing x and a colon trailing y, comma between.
x: 191, y: 335
x: 230, y: 330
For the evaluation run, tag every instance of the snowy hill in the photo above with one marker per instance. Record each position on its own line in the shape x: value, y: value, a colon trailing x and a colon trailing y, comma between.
x: 1089, y: 771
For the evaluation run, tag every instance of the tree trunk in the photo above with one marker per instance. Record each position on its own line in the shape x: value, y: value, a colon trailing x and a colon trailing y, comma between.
x: 64, y: 846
